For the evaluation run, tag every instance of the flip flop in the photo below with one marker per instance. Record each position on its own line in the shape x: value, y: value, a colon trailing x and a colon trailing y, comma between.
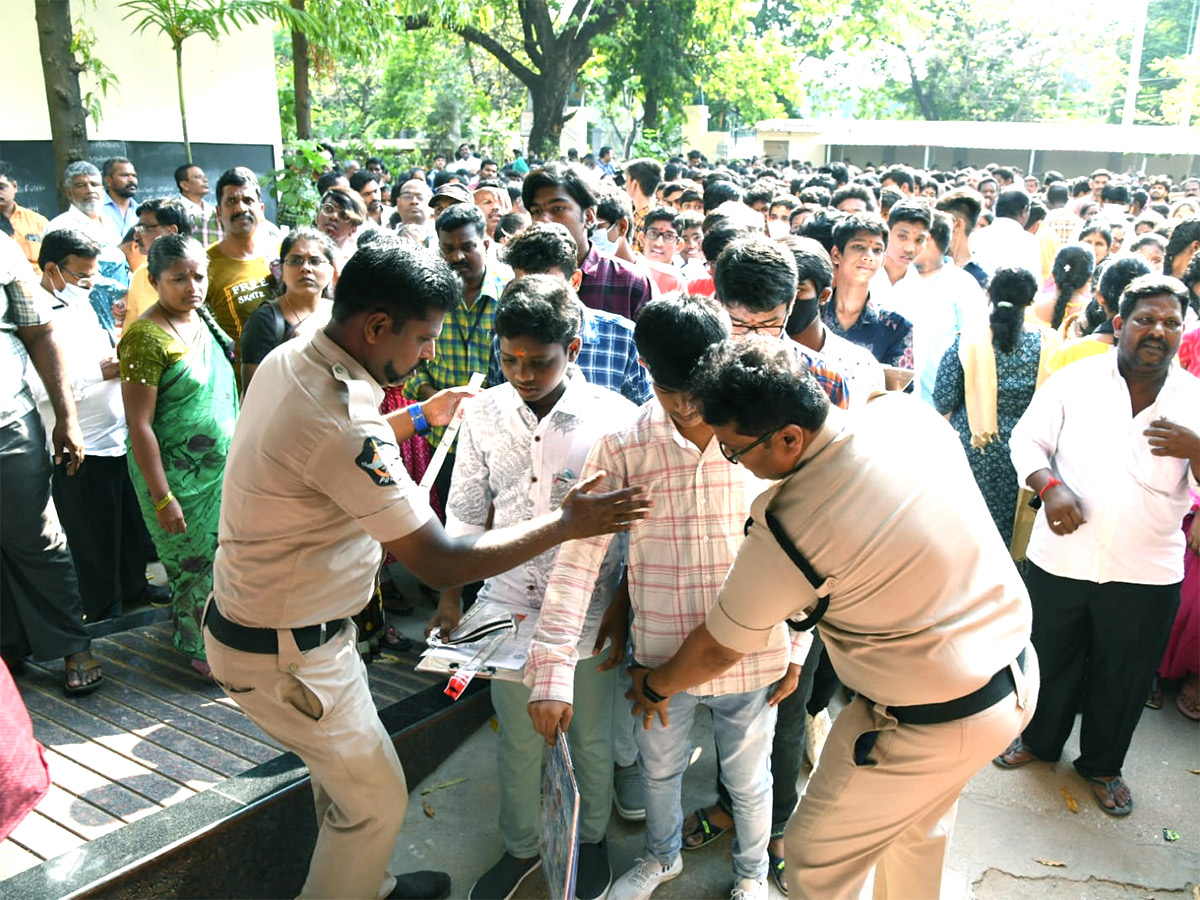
x: 1108, y: 791
x: 1017, y: 746
x: 81, y: 669
x: 707, y: 830
x: 1190, y: 709
x: 777, y: 867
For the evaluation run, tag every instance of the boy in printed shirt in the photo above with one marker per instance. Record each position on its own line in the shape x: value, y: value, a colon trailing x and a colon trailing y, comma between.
x: 677, y: 560
x: 523, y: 445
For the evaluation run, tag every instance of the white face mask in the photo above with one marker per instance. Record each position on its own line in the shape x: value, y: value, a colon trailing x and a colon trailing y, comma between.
x: 777, y: 229
x: 72, y: 293
x: 601, y: 239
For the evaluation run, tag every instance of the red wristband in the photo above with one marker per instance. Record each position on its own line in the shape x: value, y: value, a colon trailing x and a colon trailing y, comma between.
x: 1045, y: 487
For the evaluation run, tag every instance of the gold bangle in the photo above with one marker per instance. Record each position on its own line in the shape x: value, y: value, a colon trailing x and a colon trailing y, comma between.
x: 164, y: 502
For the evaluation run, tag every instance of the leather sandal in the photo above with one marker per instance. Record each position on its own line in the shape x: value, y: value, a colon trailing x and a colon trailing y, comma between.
x: 1105, y: 792
x: 80, y: 669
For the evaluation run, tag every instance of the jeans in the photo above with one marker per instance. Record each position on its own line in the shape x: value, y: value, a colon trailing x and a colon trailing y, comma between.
x: 743, y: 726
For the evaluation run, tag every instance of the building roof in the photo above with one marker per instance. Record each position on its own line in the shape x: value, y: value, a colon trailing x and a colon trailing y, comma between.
x: 1149, y: 139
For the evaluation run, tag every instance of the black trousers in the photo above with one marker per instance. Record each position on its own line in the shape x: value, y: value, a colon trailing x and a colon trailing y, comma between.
x: 107, y: 535
x: 1099, y: 644
x: 41, y: 613
x: 787, y: 749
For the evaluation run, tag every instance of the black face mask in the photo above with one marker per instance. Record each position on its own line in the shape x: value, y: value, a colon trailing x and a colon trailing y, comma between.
x: 803, y: 314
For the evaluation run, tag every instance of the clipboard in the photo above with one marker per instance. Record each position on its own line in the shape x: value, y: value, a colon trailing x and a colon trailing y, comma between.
x: 559, y: 841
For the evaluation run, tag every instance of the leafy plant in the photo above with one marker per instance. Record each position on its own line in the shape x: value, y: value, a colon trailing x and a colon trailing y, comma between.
x: 295, y: 185
x: 83, y: 39
x: 179, y: 20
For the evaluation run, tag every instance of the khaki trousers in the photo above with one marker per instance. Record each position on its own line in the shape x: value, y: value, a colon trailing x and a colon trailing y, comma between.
x: 318, y: 705
x: 895, y: 808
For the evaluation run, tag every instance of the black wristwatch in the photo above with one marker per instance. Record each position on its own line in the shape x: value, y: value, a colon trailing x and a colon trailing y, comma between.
x: 650, y: 693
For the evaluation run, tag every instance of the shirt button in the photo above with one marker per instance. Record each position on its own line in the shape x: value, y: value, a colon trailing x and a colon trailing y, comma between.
x: 534, y: 478
x: 293, y: 668
x: 538, y: 438
x: 339, y: 370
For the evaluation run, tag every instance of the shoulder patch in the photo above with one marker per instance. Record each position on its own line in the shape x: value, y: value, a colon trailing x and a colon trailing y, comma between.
x: 378, y: 459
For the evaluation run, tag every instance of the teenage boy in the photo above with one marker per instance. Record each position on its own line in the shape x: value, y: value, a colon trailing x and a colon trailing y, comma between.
x: 676, y: 564
x: 522, y: 447
x: 659, y: 240
x: 814, y: 287
x: 756, y: 283
x: 859, y: 244
x: 608, y: 356
x: 942, y: 301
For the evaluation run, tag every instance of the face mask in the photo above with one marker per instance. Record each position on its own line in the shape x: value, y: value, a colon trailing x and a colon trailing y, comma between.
x: 602, y: 242
x: 777, y: 229
x: 72, y: 293
x: 695, y: 268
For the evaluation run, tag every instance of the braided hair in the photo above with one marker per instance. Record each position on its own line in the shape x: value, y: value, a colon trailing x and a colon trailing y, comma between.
x: 1073, y: 267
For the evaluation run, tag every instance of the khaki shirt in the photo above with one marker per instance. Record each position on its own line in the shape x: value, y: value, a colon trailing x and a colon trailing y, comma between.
x: 925, y: 603
x: 313, y: 484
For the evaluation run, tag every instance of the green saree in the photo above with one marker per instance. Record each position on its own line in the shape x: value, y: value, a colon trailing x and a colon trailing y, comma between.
x: 194, y: 416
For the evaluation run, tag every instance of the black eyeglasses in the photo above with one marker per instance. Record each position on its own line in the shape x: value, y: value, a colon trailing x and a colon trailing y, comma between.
x: 735, y: 455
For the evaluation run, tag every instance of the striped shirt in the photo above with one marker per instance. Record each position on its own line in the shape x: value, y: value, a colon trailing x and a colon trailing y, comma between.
x: 22, y: 305
x: 613, y: 285
x: 828, y: 374
x: 678, y: 559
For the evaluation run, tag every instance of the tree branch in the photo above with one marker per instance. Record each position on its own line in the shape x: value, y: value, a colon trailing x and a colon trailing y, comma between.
x: 538, y: 30
x: 473, y: 35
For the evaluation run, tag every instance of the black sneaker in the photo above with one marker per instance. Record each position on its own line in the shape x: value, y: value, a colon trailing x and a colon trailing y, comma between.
x: 502, y: 880
x: 595, y: 875
x: 423, y: 885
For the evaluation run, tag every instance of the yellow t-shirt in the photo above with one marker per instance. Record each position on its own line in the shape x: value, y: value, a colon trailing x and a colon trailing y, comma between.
x: 1076, y: 350
x: 141, y: 295
x: 236, y: 288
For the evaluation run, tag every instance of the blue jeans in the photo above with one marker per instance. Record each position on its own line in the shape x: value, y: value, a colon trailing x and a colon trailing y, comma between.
x: 743, y: 726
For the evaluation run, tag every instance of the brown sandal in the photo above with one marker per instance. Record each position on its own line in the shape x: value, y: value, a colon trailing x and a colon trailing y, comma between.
x: 81, y: 669
x: 1017, y: 746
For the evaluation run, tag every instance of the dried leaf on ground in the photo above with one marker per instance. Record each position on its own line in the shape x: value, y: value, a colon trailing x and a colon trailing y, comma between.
x: 1072, y: 803
x: 1195, y: 772
x: 442, y: 784
x: 1055, y: 863
x: 428, y: 810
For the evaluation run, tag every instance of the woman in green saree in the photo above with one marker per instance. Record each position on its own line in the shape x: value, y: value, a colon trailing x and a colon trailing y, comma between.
x: 180, y: 406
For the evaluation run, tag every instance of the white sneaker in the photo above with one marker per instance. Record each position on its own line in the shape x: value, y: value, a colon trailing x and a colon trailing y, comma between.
x: 815, y: 732
x: 646, y: 875
x: 749, y: 889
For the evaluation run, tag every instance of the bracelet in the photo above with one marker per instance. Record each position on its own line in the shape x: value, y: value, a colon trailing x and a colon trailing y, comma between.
x: 650, y: 693
x: 418, y: 419
x: 1053, y: 482
x: 164, y: 502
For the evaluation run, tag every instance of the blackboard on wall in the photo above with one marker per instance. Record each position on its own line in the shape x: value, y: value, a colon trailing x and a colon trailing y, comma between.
x: 32, y: 165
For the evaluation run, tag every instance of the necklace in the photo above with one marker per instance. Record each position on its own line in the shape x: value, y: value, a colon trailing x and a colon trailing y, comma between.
x: 171, y: 325
x: 299, y: 318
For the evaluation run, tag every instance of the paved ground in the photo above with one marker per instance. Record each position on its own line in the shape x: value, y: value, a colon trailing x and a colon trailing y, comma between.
x: 1006, y: 822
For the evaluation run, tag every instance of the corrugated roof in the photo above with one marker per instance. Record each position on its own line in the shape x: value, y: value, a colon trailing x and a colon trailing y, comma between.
x: 1150, y: 139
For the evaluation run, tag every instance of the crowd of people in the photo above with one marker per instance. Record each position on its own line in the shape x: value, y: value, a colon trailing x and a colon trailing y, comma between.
x: 971, y: 394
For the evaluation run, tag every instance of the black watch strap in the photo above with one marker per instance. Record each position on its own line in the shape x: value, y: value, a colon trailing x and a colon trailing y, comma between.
x: 650, y: 693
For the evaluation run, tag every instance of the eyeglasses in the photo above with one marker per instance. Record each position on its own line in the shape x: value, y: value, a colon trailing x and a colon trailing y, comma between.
x: 142, y: 226
x: 82, y: 281
x: 313, y: 262
x: 409, y: 195
x: 653, y: 234
x: 774, y: 329
x: 334, y: 213
x: 735, y: 455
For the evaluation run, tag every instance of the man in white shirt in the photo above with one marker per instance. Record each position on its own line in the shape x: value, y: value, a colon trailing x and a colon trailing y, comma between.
x: 940, y: 300
x: 1106, y: 559
x: 97, y: 506
x: 1006, y: 242
x: 908, y: 233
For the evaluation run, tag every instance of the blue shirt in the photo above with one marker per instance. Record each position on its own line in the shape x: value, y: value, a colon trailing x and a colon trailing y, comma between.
x: 114, y: 221
x: 608, y: 357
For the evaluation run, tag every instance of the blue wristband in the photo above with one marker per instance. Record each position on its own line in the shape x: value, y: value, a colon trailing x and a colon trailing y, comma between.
x: 418, y: 419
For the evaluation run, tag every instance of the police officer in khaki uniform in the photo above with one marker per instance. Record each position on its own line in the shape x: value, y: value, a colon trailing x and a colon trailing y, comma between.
x: 877, y: 531
x: 313, y: 485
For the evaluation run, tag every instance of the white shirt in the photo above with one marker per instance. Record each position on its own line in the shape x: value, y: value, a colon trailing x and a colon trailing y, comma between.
x: 862, y: 371
x: 84, y: 343
x: 1006, y: 243
x: 522, y: 467
x: 75, y: 218
x: 1081, y: 425
x: 940, y: 307
x: 882, y: 289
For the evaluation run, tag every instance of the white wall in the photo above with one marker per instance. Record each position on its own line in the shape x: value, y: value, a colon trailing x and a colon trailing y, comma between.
x: 229, y: 86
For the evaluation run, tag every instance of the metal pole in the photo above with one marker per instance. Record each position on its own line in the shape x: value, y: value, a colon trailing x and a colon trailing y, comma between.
x: 1135, y: 64
x: 1032, y: 154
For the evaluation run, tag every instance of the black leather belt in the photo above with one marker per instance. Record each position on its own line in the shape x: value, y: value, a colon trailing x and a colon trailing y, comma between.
x: 264, y: 640
x: 1000, y: 686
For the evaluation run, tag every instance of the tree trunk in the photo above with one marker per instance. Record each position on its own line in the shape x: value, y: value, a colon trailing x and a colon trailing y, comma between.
x: 300, y: 80
x: 923, y: 98
x: 650, y: 109
x: 60, y: 70
x: 549, y: 96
